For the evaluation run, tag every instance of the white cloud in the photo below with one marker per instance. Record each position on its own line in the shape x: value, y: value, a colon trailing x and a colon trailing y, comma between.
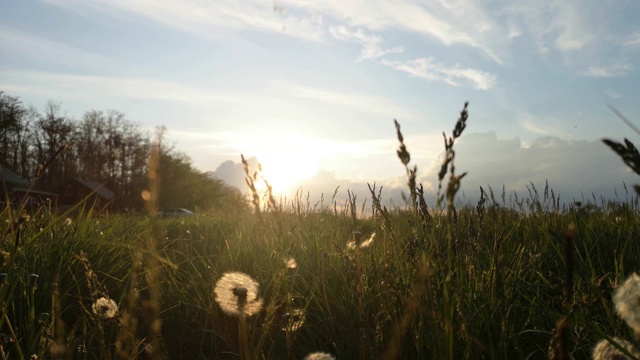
x: 206, y: 18
x: 427, y: 69
x: 353, y: 99
x: 87, y: 86
x: 571, y: 167
x: 564, y: 25
x: 569, y: 27
x: 538, y: 125
x: 615, y: 70
x: 38, y: 48
x: 612, y: 94
x: 632, y: 40
x: 574, y: 32
x: 447, y: 22
x: 371, y: 44
x: 490, y: 162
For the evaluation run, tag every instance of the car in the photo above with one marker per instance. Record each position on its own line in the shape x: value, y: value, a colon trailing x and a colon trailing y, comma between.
x: 176, y: 212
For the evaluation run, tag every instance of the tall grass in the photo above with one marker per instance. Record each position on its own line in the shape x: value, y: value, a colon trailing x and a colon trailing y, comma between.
x: 440, y: 281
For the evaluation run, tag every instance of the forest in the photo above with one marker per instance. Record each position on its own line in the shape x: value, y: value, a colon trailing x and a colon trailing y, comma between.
x: 49, y: 148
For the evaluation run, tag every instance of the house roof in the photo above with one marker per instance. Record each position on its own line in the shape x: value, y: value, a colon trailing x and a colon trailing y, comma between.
x: 12, y: 179
x: 97, y: 188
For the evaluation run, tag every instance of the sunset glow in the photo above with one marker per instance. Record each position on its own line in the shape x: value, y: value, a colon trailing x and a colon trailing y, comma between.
x: 286, y: 157
x: 308, y: 87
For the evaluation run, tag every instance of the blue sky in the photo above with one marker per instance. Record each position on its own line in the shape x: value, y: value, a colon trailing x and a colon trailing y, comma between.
x: 311, y: 88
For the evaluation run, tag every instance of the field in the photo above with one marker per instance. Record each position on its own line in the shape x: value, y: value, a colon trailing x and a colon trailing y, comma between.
x: 522, y: 279
x: 496, y: 293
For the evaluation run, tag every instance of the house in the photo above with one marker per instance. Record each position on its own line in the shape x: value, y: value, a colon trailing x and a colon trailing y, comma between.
x: 76, y: 190
x: 21, y: 191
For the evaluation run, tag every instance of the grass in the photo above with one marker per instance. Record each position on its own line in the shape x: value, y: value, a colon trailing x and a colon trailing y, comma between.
x: 492, y: 280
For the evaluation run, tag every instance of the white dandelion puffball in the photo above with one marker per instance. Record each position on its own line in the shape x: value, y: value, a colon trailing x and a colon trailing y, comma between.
x: 105, y: 308
x: 604, y: 350
x: 237, y: 293
x: 319, y: 356
x: 627, y: 302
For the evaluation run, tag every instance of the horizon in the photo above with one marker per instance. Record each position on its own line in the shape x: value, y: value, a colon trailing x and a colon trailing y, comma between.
x: 311, y: 90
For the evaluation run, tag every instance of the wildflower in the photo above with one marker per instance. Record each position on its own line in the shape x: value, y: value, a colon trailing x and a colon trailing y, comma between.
x: 237, y: 293
x: 605, y: 350
x: 627, y: 302
x: 357, y: 241
x: 293, y: 320
x: 291, y: 263
x: 319, y: 356
x: 105, y: 308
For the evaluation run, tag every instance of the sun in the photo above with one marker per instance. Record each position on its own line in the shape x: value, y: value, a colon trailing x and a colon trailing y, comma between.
x: 287, y: 158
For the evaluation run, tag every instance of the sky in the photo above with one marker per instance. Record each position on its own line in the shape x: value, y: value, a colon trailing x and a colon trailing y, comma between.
x: 311, y: 88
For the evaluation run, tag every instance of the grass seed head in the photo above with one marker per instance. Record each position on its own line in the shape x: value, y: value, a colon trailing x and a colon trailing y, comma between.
x: 237, y: 293
x: 627, y: 302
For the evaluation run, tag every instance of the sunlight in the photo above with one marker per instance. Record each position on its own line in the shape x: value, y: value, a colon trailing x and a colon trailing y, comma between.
x: 287, y: 158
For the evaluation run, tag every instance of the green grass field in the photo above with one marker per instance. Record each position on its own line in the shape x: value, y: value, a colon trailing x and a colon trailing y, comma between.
x: 498, y: 296
x: 493, y: 280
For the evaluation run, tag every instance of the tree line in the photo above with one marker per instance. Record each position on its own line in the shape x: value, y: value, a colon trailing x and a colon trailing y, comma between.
x: 105, y: 147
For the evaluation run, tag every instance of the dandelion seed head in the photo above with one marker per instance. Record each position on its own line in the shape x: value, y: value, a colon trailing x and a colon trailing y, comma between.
x: 627, y: 302
x: 105, y: 308
x: 604, y: 350
x: 290, y: 263
x: 237, y: 293
x: 319, y: 356
x: 294, y: 320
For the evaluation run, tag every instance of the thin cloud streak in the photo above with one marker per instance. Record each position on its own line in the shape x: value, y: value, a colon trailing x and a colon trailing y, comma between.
x: 444, y: 22
x: 37, y: 48
x: 569, y: 27
x: 427, y: 69
x: 537, y: 124
x: 613, y: 94
x: 204, y: 18
x: 615, y: 70
x: 553, y: 24
x: 88, y: 86
x: 632, y: 40
x: 356, y: 100
x: 371, y: 44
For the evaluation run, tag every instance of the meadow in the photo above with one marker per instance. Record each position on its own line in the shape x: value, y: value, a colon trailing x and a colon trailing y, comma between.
x: 504, y: 278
